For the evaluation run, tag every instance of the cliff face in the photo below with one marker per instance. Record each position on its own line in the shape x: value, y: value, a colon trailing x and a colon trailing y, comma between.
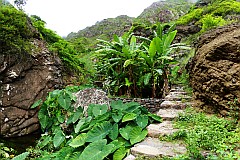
x: 215, y: 69
x: 27, y: 72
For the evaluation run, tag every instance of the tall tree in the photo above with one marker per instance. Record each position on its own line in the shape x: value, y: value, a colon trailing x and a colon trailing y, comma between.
x: 20, y: 3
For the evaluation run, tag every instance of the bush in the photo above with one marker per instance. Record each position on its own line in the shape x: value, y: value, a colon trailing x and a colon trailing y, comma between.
x: 69, y: 134
x: 15, y: 32
x: 208, y: 22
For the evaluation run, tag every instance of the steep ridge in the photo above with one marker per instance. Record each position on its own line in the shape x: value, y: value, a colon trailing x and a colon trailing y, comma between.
x: 163, y: 11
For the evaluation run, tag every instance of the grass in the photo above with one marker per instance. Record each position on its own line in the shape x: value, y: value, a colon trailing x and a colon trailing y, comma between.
x: 216, y: 136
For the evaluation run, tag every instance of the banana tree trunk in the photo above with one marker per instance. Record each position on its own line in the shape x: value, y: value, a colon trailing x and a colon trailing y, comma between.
x: 166, y: 82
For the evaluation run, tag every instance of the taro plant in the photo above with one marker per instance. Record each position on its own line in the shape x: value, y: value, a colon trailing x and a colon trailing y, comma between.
x: 103, y: 133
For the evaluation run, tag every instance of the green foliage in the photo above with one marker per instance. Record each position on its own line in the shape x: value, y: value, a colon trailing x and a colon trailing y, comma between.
x: 21, y: 156
x: 201, y: 132
x: 102, y: 134
x: 5, y: 152
x: 208, y: 22
x: 193, y: 15
x: 130, y: 66
x: 15, y: 32
x: 234, y: 109
x: 214, y: 14
x: 73, y: 60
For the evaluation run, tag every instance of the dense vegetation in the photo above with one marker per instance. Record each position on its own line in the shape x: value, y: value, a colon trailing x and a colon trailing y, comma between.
x: 128, y: 64
x: 70, y: 134
x: 15, y: 33
x: 209, y: 14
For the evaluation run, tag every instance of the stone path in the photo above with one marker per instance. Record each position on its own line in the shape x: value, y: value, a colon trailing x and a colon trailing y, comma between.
x: 173, y: 104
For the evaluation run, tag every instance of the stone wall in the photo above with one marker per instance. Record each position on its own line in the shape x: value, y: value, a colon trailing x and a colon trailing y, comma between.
x: 152, y: 104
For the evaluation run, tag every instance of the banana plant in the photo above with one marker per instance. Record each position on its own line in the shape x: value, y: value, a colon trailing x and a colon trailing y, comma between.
x: 118, y: 61
x: 158, y: 57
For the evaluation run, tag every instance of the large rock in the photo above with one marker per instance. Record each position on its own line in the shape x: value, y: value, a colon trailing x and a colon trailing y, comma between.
x: 24, y: 79
x: 90, y: 96
x: 215, y: 69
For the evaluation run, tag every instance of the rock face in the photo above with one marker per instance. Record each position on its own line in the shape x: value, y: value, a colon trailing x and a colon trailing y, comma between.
x: 90, y: 96
x: 24, y: 79
x: 215, y: 69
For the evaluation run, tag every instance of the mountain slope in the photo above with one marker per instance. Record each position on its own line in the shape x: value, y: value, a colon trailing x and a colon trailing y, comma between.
x: 105, y: 28
x: 159, y: 11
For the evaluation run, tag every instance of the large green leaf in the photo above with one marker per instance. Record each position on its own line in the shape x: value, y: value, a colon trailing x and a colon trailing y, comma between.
x: 129, y: 117
x: 43, y: 117
x: 117, y: 116
x: 125, y: 132
x: 78, y: 114
x: 117, y: 144
x: 155, y: 117
x: 99, y: 109
x: 120, y: 153
x: 79, y: 125
x: 58, y: 138
x: 137, y: 135
x: 132, y: 106
x: 22, y: 156
x: 133, y: 43
x: 128, y: 62
x: 64, y: 100
x: 36, y: 104
x: 118, y: 105
x: 152, y: 49
x: 142, y: 121
x: 97, y: 150
x: 99, y: 131
x: 79, y: 140
x: 146, y: 78
x: 46, y: 140
x: 100, y: 119
x: 114, y: 132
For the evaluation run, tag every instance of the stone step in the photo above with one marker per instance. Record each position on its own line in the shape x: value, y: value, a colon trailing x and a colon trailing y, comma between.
x: 152, y: 147
x: 130, y: 157
x: 162, y: 129
x: 174, y: 104
x: 169, y: 114
x: 178, y: 93
x: 172, y: 97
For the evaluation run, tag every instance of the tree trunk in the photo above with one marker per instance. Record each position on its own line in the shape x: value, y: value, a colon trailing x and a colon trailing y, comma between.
x: 166, y: 83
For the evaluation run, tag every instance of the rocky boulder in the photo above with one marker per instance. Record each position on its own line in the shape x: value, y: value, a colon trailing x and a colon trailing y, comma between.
x: 215, y: 69
x: 90, y: 96
x: 24, y: 79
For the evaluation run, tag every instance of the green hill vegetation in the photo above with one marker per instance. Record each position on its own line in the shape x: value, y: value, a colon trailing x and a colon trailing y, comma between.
x: 208, y: 14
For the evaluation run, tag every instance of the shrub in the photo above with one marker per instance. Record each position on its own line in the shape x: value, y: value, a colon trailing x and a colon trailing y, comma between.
x: 103, y: 133
x: 193, y: 15
x: 15, y: 32
x: 208, y: 22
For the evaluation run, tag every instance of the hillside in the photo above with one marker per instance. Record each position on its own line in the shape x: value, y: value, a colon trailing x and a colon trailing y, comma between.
x: 105, y: 28
x: 164, y: 11
x: 159, y: 11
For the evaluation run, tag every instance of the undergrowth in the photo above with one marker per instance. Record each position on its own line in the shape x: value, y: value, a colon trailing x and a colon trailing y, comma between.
x: 218, y: 137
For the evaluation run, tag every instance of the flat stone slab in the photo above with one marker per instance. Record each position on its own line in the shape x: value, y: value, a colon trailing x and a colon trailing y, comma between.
x: 174, y: 104
x: 152, y: 147
x: 161, y: 129
x: 130, y: 157
x: 169, y: 114
x: 178, y: 93
x: 176, y: 97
